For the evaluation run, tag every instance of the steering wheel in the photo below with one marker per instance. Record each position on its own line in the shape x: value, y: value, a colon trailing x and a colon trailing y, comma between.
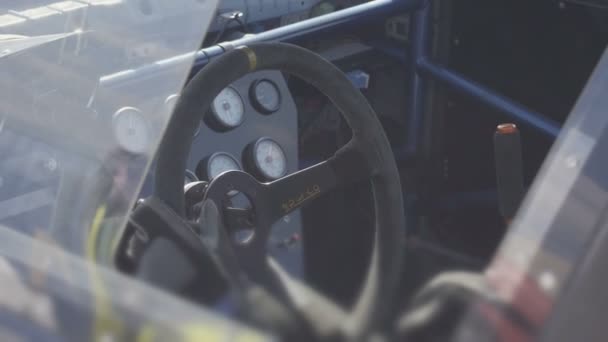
x: 367, y: 156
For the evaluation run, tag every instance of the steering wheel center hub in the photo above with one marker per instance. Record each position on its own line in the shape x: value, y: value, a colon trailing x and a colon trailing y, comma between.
x: 246, y: 230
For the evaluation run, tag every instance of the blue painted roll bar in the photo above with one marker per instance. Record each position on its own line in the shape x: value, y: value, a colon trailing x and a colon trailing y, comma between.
x: 478, y: 92
x: 420, y: 40
x: 349, y: 17
x: 339, y: 20
x: 421, y: 66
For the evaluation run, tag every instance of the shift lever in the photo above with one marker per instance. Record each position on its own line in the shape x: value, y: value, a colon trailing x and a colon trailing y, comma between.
x: 509, y: 169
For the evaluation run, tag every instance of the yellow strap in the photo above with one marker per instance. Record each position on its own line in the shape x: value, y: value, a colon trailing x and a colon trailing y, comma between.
x: 94, y: 233
x: 105, y: 322
x: 197, y: 332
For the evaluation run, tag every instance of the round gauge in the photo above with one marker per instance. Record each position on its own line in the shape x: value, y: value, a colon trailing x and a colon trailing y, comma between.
x: 216, y: 164
x: 170, y: 103
x: 265, y: 96
x: 190, y: 177
x: 268, y: 159
x: 227, y: 110
x: 132, y: 130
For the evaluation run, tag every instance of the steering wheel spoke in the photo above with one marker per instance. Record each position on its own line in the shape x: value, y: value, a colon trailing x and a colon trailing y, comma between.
x: 294, y: 191
x: 298, y: 189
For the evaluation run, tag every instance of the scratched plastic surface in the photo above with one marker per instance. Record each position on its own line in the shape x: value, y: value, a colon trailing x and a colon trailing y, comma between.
x: 555, y: 226
x: 74, y: 152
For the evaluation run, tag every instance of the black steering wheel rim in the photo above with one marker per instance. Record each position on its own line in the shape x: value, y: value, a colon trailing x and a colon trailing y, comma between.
x: 369, y: 141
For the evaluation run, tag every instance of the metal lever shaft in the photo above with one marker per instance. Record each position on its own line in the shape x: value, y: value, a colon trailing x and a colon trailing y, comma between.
x: 509, y: 169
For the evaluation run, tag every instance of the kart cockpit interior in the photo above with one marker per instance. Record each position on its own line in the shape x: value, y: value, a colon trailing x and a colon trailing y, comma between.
x: 339, y: 170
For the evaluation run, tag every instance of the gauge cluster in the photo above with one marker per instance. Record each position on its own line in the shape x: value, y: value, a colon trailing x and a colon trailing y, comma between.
x: 252, y: 126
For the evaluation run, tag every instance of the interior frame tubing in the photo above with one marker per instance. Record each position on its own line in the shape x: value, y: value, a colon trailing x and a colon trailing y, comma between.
x: 420, y: 40
x: 423, y: 68
x: 476, y: 91
x: 357, y: 15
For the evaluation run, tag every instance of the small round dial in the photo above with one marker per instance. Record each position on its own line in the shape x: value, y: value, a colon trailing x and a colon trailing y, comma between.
x: 216, y: 164
x: 265, y: 96
x: 227, y: 110
x: 268, y: 159
x: 131, y: 130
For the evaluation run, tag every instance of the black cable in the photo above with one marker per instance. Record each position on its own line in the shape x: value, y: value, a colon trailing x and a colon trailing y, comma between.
x: 235, y: 17
x: 242, y: 24
x: 221, y: 32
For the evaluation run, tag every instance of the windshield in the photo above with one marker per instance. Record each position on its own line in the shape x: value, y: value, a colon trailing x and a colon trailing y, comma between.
x: 86, y: 88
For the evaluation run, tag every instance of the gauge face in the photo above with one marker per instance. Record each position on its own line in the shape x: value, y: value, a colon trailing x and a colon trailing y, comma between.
x: 216, y: 164
x: 170, y: 103
x: 265, y: 96
x: 220, y: 163
x: 131, y: 130
x: 269, y: 159
x: 228, y: 109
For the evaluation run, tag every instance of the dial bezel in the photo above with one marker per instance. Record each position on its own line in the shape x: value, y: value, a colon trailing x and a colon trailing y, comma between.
x: 148, y: 127
x: 213, y: 119
x: 257, y: 169
x: 202, y: 169
x: 256, y: 103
